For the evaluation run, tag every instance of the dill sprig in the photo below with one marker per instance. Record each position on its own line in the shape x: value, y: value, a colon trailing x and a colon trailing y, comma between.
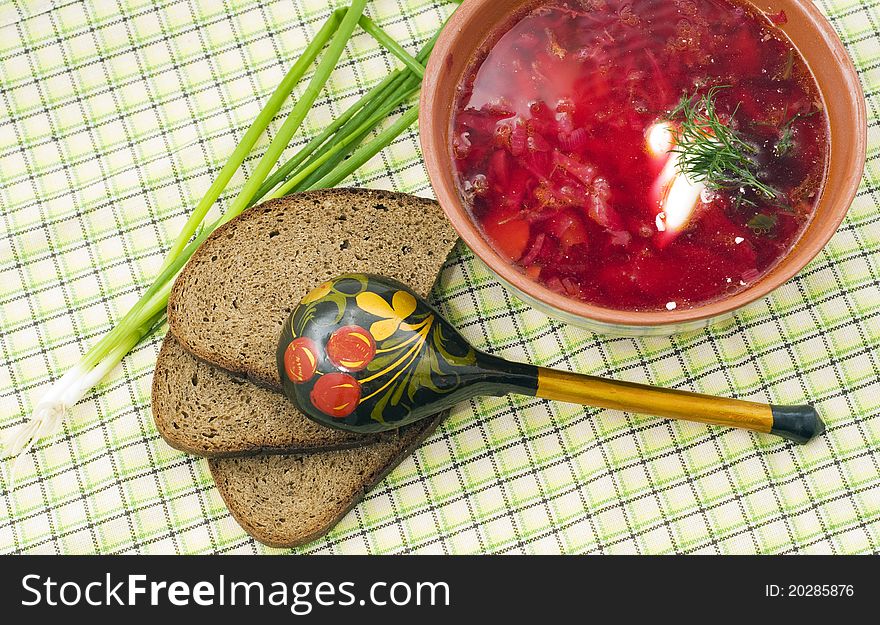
x: 711, y: 152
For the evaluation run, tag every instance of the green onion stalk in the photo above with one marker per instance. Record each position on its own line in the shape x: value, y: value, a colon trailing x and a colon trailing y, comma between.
x: 325, y: 161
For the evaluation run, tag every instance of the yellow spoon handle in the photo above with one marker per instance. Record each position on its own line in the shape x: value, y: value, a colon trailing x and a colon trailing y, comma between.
x: 796, y: 423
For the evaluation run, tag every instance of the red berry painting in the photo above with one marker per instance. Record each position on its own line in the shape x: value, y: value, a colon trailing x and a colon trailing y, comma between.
x: 351, y: 348
x: 336, y: 394
x: 300, y: 360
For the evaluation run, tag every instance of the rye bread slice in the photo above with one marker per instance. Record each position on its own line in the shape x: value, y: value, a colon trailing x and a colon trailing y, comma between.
x: 206, y: 411
x: 287, y: 501
x: 230, y: 301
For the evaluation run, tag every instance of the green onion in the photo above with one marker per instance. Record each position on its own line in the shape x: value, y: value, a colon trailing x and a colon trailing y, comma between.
x: 295, y: 180
x: 394, y: 87
x: 282, y: 92
x: 311, y: 149
x: 385, y: 39
x: 299, y: 111
x: 368, y: 151
x: 319, y: 164
x: 146, y: 307
x: 396, y: 93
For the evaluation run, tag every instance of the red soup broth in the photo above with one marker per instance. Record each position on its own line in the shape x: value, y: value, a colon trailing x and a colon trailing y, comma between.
x: 552, y: 141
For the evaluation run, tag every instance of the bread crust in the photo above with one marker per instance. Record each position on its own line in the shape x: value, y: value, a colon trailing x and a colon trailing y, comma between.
x: 268, y: 533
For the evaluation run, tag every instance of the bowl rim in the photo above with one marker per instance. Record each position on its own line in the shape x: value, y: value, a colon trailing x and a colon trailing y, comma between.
x: 436, y: 155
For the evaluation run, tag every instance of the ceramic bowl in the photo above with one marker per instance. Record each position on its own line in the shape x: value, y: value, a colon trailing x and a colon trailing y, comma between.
x: 470, y: 30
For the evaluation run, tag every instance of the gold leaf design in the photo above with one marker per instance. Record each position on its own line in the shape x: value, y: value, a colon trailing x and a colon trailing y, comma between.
x: 374, y: 304
x: 392, y: 315
x: 404, y: 304
x: 381, y: 330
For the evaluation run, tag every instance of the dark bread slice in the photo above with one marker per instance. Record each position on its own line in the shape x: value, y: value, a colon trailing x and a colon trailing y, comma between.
x: 206, y: 411
x: 287, y: 501
x: 230, y: 301
x: 291, y: 500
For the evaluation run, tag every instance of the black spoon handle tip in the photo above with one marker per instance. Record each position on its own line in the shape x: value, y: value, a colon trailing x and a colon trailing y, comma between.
x: 799, y: 424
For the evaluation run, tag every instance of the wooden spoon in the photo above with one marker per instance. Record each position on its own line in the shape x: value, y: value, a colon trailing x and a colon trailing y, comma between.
x: 366, y: 354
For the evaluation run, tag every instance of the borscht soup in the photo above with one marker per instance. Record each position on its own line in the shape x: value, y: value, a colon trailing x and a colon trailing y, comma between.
x: 641, y: 154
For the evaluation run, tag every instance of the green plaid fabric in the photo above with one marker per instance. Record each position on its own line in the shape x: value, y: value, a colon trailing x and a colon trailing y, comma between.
x: 114, y: 117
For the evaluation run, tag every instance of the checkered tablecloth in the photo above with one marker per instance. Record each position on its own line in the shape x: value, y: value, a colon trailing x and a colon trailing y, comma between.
x: 114, y: 117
